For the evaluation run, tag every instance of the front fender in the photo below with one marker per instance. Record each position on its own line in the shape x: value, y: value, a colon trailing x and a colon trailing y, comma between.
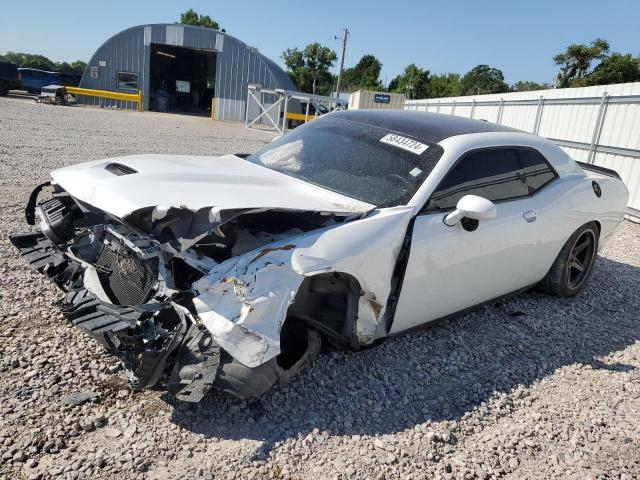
x: 244, y: 300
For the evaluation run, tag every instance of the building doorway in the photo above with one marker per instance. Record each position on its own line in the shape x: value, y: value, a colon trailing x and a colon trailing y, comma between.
x: 182, y: 80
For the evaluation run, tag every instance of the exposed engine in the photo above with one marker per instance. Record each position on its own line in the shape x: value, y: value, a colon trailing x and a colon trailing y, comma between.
x: 129, y: 284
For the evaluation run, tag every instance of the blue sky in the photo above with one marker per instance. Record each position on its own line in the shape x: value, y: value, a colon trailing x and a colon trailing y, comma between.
x: 518, y: 38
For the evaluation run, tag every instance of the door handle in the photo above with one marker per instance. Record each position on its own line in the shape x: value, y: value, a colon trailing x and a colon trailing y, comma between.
x: 530, y: 216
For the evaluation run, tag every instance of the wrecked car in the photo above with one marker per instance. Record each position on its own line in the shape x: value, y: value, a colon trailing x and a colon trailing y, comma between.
x: 228, y: 272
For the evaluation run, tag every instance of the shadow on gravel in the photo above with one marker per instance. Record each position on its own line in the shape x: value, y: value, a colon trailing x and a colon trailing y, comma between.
x: 438, y: 373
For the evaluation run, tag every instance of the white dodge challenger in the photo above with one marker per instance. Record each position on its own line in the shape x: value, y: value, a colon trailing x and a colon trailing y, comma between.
x: 229, y: 272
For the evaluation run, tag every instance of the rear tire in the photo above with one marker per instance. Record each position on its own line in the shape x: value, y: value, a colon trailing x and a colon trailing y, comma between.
x: 572, y: 268
x: 4, y: 89
x: 246, y: 382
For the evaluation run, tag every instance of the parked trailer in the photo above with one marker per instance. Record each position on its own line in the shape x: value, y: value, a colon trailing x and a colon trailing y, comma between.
x: 53, y: 94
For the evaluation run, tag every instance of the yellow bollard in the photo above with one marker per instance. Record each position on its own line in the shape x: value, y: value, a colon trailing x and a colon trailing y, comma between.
x: 213, y: 104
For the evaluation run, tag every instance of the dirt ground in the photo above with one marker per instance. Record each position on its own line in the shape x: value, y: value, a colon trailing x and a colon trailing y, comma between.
x: 530, y: 387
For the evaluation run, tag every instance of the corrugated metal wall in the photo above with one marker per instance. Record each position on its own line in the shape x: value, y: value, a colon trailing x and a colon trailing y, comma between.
x: 606, y: 133
x: 237, y: 65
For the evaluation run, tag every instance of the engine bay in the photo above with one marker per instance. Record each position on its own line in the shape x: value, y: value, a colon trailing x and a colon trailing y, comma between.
x: 130, y: 283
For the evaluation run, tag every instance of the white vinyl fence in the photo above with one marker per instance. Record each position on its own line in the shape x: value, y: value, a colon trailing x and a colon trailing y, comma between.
x: 599, y: 125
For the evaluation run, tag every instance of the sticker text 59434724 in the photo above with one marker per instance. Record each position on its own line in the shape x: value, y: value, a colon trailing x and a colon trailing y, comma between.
x: 405, y: 143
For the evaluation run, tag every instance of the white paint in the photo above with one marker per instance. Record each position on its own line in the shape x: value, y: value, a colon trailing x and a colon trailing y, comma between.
x: 196, y: 182
x: 472, y: 206
x: 244, y: 300
x: 451, y: 269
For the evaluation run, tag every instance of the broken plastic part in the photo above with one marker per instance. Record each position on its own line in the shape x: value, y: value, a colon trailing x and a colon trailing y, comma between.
x: 244, y: 300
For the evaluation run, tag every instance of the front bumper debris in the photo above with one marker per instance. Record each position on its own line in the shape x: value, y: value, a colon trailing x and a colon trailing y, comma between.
x: 42, y: 255
x: 145, y: 337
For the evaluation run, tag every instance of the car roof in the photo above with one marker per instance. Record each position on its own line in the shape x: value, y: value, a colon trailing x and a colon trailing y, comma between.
x: 427, y: 126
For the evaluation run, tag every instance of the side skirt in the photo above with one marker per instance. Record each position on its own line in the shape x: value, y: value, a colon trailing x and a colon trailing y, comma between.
x: 439, y: 320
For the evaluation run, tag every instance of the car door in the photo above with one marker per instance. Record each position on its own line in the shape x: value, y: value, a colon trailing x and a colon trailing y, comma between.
x: 26, y: 76
x: 41, y: 79
x: 453, y: 268
x: 52, y: 79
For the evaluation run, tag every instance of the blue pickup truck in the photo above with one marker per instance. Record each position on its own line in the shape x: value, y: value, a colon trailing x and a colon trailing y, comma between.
x: 33, y: 79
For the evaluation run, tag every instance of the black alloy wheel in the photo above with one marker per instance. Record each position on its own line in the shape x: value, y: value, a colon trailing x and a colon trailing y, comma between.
x: 580, y: 259
x: 570, y: 271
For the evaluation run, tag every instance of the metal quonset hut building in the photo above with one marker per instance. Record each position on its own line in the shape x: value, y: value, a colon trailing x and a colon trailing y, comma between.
x: 180, y: 68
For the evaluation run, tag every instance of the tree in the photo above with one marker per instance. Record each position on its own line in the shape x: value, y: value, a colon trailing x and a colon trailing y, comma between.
x: 414, y: 82
x: 28, y: 60
x: 364, y: 75
x: 616, y: 68
x: 445, y: 85
x: 76, y: 67
x: 527, y: 86
x: 191, y: 17
x: 310, y: 67
x: 576, y: 60
x: 483, y: 79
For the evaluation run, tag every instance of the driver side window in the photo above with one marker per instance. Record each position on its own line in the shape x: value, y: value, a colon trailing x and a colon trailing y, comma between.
x: 495, y: 174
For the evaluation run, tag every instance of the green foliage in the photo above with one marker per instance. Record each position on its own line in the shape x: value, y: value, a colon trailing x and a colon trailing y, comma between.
x: 364, y: 75
x: 309, y: 65
x: 576, y: 60
x: 414, y: 82
x: 528, y: 86
x: 483, y: 79
x: 191, y: 17
x: 28, y: 60
x: 445, y: 85
x: 616, y: 68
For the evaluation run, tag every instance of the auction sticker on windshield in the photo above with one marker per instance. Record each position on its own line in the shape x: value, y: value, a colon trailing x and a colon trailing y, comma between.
x: 405, y: 143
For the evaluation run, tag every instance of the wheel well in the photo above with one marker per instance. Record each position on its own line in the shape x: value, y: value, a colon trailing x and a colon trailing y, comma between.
x: 328, y: 302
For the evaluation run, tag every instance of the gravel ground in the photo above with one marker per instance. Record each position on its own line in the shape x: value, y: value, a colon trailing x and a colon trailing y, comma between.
x: 531, y: 387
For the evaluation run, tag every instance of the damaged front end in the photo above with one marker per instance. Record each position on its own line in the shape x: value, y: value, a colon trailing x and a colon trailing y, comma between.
x: 130, y: 284
x: 197, y: 297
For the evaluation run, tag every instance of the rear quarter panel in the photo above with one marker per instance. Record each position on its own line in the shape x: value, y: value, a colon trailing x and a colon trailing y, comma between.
x: 609, y: 209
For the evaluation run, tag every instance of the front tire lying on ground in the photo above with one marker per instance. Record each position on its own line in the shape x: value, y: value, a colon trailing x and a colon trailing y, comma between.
x: 299, y: 346
x: 572, y: 268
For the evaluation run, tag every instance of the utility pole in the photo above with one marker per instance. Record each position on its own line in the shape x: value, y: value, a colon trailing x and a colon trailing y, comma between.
x: 345, y: 36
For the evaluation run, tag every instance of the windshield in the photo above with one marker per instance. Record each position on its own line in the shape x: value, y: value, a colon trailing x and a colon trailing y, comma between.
x: 361, y: 161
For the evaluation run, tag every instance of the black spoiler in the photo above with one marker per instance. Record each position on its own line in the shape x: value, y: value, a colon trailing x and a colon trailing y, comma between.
x: 597, y: 169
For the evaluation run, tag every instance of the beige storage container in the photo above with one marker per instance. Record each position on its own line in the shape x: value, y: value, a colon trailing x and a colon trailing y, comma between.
x: 364, y: 99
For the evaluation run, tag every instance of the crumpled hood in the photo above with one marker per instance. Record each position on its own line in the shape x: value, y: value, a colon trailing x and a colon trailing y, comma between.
x: 195, y: 182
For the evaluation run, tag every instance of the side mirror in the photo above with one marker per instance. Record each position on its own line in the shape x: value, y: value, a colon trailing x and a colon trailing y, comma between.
x: 473, y: 207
